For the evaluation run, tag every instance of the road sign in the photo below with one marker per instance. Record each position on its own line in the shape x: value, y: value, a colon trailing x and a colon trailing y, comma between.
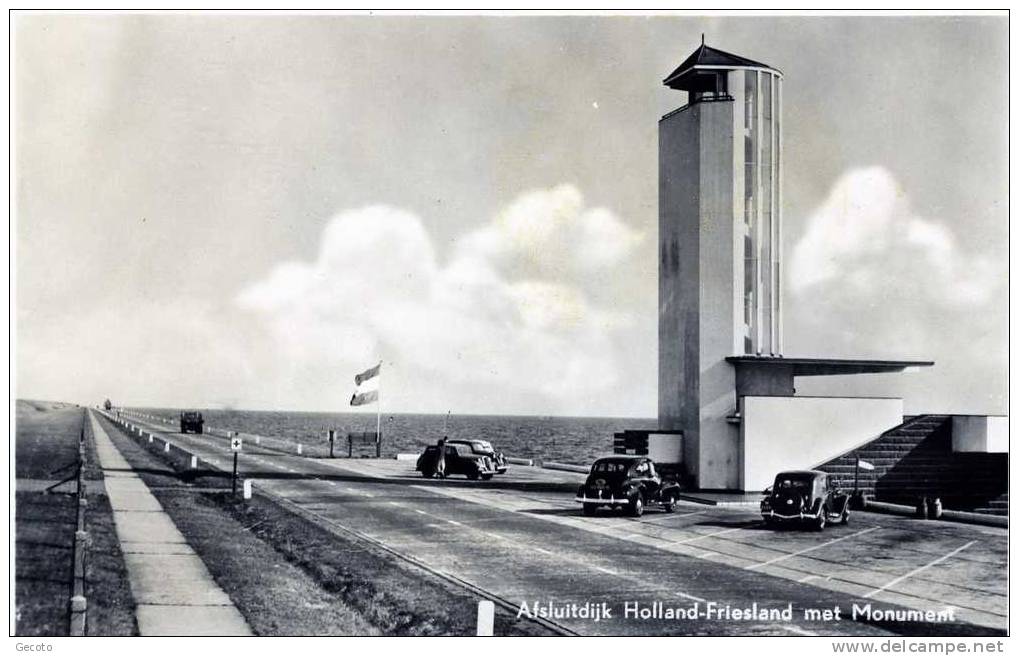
x: 235, y: 444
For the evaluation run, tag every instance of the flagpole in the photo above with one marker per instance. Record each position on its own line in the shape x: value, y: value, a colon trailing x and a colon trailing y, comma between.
x: 378, y: 409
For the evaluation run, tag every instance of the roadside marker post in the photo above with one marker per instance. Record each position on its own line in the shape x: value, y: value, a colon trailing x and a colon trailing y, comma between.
x: 166, y: 447
x: 235, y: 446
x: 486, y: 618
x: 247, y: 488
x: 332, y: 442
x: 194, y: 462
x: 299, y: 449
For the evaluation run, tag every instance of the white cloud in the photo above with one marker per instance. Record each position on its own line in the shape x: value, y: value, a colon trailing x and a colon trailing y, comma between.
x: 866, y: 238
x: 871, y: 277
x: 521, y: 304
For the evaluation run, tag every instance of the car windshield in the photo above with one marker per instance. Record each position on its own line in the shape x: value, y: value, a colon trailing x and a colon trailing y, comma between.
x: 609, y: 467
x: 792, y: 483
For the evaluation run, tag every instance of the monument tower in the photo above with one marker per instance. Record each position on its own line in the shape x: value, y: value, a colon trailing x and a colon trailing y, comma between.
x: 720, y: 223
x: 723, y: 381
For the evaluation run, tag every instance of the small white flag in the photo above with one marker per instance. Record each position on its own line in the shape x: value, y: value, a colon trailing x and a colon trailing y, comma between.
x: 863, y: 464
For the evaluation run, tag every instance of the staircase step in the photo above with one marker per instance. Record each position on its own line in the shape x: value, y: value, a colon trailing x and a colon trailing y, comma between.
x: 915, y: 459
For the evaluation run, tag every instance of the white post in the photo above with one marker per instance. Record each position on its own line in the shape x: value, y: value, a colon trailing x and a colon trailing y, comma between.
x: 486, y: 618
x: 258, y: 440
x: 194, y: 462
x: 166, y: 447
x: 299, y: 447
x: 150, y: 438
x: 247, y: 488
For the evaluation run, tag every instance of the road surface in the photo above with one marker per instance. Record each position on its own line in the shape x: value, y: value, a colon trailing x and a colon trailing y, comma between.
x: 522, y: 537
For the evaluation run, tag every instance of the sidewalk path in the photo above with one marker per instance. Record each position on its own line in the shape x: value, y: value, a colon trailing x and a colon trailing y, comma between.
x: 173, y: 590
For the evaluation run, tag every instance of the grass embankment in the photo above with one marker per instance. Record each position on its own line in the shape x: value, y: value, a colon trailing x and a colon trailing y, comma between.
x: 290, y: 576
x: 46, y: 438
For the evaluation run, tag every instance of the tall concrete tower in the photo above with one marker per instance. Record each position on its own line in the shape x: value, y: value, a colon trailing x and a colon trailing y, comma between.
x: 720, y: 226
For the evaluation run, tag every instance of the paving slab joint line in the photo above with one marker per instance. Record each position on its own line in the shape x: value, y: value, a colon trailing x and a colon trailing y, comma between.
x: 143, y: 568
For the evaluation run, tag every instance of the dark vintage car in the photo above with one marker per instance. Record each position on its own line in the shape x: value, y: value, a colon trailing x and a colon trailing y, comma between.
x: 191, y: 421
x: 460, y: 459
x: 626, y: 481
x: 484, y: 448
x: 804, y: 497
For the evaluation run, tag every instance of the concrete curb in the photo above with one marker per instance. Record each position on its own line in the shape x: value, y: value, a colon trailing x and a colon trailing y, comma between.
x: 406, y: 456
x: 526, y: 462
x: 960, y: 516
x: 561, y: 466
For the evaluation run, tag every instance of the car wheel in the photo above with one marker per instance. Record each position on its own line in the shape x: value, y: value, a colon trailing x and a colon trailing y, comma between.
x: 473, y: 475
x: 427, y: 474
x: 590, y: 509
x: 669, y: 507
x: 769, y: 522
x: 636, y: 506
x: 486, y: 477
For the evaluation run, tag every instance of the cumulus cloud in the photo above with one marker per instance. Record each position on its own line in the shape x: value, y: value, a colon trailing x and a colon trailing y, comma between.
x: 867, y: 238
x: 871, y: 277
x: 536, y: 300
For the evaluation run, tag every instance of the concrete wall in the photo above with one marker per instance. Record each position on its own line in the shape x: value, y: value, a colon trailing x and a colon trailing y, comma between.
x: 718, y: 445
x: 790, y: 432
x: 979, y: 434
x: 665, y: 448
x: 679, y: 173
x: 700, y: 278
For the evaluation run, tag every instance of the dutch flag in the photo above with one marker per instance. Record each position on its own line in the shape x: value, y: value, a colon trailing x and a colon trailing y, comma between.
x: 367, y: 386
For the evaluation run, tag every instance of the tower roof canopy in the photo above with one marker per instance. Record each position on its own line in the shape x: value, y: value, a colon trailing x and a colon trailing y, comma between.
x: 707, y: 58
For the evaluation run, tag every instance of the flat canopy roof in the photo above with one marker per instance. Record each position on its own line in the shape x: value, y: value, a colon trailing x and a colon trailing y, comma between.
x: 827, y: 366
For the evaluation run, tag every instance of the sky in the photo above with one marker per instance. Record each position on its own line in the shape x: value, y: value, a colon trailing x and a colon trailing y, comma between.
x: 245, y: 211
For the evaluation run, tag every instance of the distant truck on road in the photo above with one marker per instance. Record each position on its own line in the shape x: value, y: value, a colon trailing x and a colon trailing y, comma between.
x: 191, y: 421
x: 107, y: 405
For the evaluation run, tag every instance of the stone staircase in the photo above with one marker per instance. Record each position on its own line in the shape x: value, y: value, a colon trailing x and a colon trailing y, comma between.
x: 915, y: 459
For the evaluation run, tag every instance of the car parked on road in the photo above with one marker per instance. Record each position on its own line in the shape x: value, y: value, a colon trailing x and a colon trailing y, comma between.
x: 804, y: 497
x: 460, y: 459
x: 191, y: 421
x: 484, y: 448
x: 629, y: 482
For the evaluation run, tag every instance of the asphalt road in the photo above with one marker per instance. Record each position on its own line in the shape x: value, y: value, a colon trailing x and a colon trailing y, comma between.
x: 521, y: 537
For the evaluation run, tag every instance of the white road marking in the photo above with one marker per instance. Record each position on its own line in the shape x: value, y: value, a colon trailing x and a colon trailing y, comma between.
x: 779, y: 559
x: 691, y: 597
x: 605, y: 569
x: 420, y: 512
x: 918, y: 570
x: 710, y: 535
x: 797, y: 630
x: 807, y: 578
